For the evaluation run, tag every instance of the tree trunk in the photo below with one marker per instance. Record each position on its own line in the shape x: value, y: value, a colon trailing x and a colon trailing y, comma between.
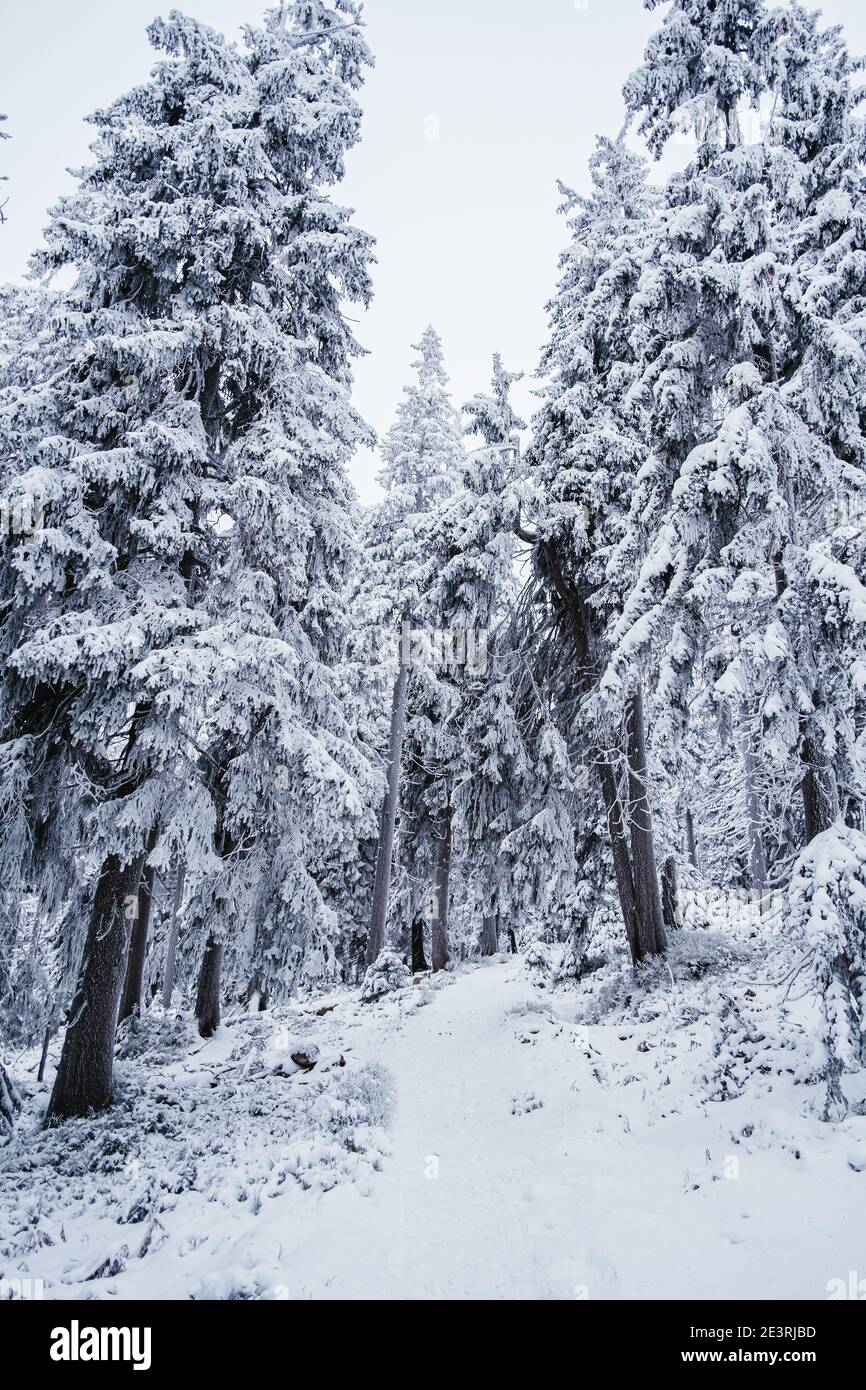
x: 651, y: 932
x: 255, y: 997
x: 621, y: 856
x: 207, y: 1003
x: 388, y: 822
x: 512, y: 941
x: 671, y: 914
x: 419, y: 960
x: 84, y: 1076
x: 757, y: 853
x: 171, y: 947
x: 820, y: 792
x: 489, y: 935
x: 586, y: 675
x: 43, y: 1056
x: 10, y: 1102
x: 131, y: 1000
x: 439, y: 943
x: 691, y: 845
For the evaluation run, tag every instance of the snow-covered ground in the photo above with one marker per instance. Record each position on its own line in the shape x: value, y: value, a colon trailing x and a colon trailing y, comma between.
x: 484, y: 1137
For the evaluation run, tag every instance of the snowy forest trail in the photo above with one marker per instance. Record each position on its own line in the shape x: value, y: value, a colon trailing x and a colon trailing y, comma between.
x: 454, y: 1214
x: 518, y: 1172
x: 530, y: 1154
x: 478, y: 1201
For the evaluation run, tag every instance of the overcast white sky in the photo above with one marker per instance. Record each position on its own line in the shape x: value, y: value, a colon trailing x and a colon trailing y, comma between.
x: 473, y: 111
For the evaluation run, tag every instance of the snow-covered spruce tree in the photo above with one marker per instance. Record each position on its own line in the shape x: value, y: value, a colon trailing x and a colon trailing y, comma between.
x: 540, y: 849
x: 477, y: 593
x: 24, y: 334
x: 445, y: 650
x: 115, y: 441
x: 177, y: 232
x: 492, y: 417
x: 294, y: 794
x: 699, y: 68
x: 747, y: 452
x: 585, y: 455
x: 421, y: 454
x: 821, y: 132
x: 754, y: 389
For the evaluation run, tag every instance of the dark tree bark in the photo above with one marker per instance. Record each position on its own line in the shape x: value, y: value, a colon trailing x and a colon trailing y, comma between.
x: 820, y: 792
x: 10, y: 1101
x: 621, y: 856
x: 512, y: 941
x: 691, y: 845
x: 84, y: 1076
x: 651, y: 933
x: 130, y: 1002
x: 586, y: 675
x: 439, y: 933
x: 50, y: 1029
x: 207, y: 1003
x: 171, y: 947
x: 255, y: 994
x: 489, y: 935
x: 388, y: 822
x: 670, y: 895
x: 419, y: 960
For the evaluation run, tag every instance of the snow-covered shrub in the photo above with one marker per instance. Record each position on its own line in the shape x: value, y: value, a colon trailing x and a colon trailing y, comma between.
x: 754, y: 1043
x: 700, y: 952
x: 387, y: 974
x: 524, y: 1102
x: 360, y: 1096
x: 539, y: 962
x: 156, y: 1036
x: 525, y: 1008
x: 595, y: 935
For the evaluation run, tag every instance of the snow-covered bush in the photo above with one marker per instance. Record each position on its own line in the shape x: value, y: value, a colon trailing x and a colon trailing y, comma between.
x: 524, y: 1102
x: 156, y: 1037
x: 700, y: 952
x: 539, y: 963
x: 387, y: 974
x: 360, y: 1097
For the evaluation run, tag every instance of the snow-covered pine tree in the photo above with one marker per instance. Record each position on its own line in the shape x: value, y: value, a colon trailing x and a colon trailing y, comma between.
x: 754, y: 392
x: 422, y: 454
x: 541, y: 847
x: 585, y: 456
x: 294, y: 793
x: 745, y: 457
x: 822, y: 141
x: 121, y: 455
x: 700, y: 69
x: 178, y: 232
x: 492, y: 416
x: 477, y: 594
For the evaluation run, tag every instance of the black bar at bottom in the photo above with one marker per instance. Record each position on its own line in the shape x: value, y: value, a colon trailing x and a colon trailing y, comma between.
x: 62, y: 1339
